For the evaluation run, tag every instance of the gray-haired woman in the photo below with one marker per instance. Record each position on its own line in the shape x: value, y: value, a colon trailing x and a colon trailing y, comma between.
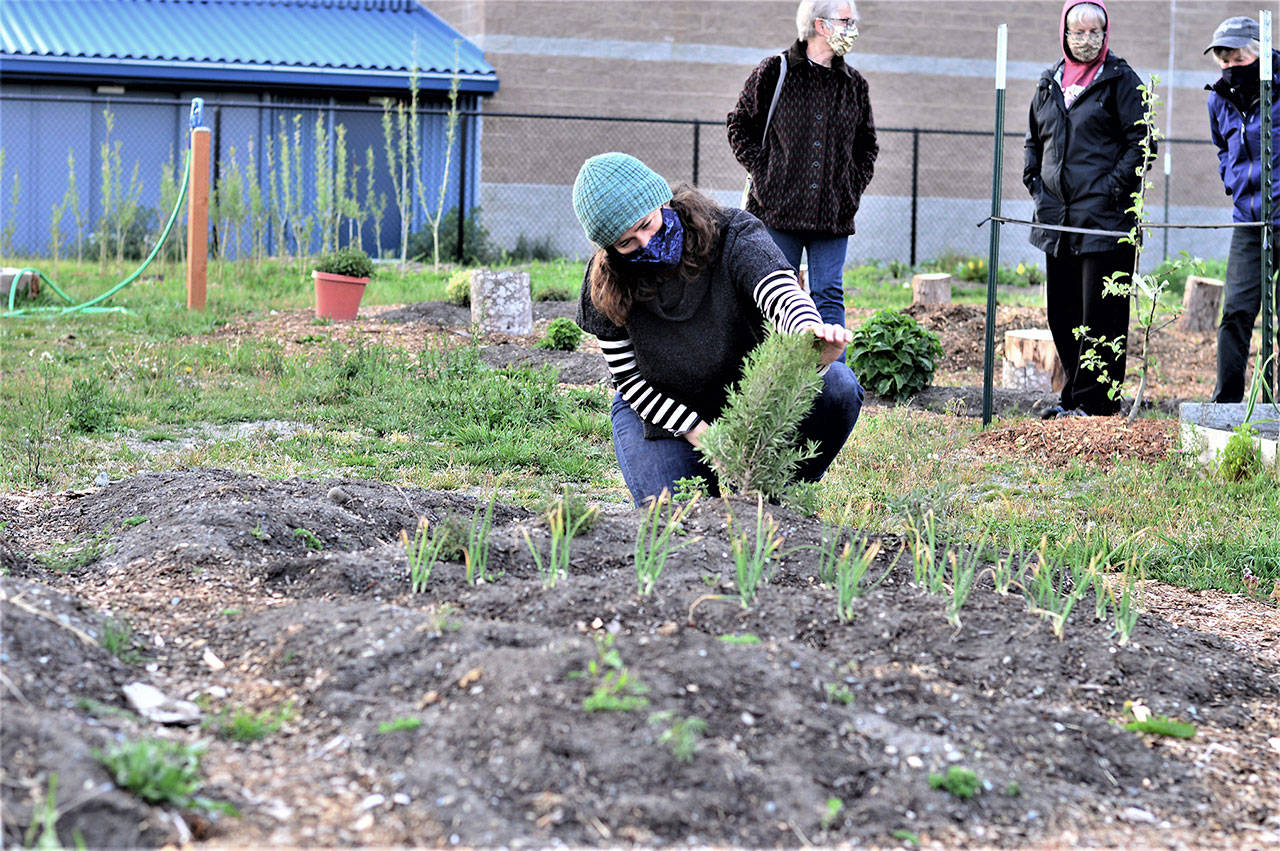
x: 808, y: 173
x: 1083, y: 151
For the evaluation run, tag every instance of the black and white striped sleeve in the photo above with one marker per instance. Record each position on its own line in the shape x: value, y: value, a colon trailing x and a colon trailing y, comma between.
x: 783, y: 303
x: 649, y: 403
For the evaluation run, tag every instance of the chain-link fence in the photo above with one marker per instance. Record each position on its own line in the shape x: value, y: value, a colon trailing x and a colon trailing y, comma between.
x: 931, y: 190
x: 512, y: 174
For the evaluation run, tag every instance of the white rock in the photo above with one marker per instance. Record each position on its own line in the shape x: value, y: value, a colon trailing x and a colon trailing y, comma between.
x: 154, y: 705
x: 1137, y: 815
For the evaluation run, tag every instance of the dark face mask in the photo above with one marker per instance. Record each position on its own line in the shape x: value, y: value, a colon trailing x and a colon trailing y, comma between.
x: 1244, y: 77
x: 665, y: 247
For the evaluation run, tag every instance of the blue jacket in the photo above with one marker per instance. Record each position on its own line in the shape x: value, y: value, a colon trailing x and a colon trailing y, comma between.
x: 1238, y: 134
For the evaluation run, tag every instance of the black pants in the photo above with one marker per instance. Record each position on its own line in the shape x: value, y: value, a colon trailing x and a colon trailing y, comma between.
x: 1240, y: 305
x: 1074, y: 297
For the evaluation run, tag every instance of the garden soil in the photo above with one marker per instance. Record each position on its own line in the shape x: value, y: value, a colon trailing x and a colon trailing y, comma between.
x: 455, y: 716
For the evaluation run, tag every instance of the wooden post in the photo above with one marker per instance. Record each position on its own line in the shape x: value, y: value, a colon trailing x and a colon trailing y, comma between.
x: 931, y: 288
x: 198, y: 219
x: 1201, y: 303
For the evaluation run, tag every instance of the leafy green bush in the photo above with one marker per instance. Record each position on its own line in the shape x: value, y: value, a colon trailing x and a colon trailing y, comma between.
x: 893, y: 355
x: 348, y: 261
x: 477, y: 248
x: 458, y: 289
x: 563, y: 335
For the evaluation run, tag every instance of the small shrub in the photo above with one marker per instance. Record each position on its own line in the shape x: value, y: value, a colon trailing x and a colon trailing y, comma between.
x: 458, y: 289
x: 755, y: 444
x: 349, y: 261
x: 89, y: 408
x: 893, y: 355
x: 563, y: 335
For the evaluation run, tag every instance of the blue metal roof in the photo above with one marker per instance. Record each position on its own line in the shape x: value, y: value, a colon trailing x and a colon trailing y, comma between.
x: 361, y: 44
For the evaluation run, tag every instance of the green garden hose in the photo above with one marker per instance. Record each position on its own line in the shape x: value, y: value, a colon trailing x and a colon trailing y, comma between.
x: 90, y: 306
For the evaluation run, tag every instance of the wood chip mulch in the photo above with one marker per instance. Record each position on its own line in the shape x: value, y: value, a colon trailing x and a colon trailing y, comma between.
x: 1096, y: 441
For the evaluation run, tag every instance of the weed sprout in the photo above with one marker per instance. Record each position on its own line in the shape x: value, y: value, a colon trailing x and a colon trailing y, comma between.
x: 477, y: 549
x: 563, y: 530
x: 680, y: 734
x: 653, y: 540
x: 751, y: 556
x: 423, y: 551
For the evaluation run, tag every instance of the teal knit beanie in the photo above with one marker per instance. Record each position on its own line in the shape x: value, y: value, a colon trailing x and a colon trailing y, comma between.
x: 613, y: 192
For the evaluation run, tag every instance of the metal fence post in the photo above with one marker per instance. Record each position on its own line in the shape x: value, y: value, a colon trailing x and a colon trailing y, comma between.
x: 993, y: 261
x: 462, y: 191
x: 915, y: 189
x: 1268, y: 231
x: 697, y: 138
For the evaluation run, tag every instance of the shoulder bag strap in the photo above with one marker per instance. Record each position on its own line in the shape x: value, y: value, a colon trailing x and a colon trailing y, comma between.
x: 773, y: 104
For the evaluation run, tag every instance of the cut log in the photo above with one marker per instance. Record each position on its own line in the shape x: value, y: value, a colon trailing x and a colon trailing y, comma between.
x: 1031, y: 361
x: 931, y: 288
x: 1201, y: 303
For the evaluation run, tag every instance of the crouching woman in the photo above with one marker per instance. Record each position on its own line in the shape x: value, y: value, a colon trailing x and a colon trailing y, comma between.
x: 678, y: 295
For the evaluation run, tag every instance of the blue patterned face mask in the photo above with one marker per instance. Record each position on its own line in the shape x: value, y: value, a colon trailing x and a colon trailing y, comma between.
x: 665, y: 247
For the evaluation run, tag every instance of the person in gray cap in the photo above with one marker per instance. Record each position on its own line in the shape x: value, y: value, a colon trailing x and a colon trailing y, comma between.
x: 678, y: 293
x: 1235, y: 123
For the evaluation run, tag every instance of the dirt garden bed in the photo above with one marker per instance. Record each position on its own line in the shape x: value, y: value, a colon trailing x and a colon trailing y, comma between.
x: 234, y: 609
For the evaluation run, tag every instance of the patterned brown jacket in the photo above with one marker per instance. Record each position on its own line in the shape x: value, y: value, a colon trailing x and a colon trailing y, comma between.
x: 810, y: 173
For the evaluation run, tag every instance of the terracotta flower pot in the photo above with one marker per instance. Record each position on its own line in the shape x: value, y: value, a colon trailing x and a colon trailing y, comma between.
x: 338, y: 296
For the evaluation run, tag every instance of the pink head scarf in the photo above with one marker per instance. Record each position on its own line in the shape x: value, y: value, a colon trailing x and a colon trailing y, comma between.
x: 1076, y: 73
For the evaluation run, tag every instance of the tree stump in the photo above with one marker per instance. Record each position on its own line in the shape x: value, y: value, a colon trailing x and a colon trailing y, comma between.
x: 931, y: 288
x: 500, y: 302
x: 1031, y: 361
x: 1201, y: 303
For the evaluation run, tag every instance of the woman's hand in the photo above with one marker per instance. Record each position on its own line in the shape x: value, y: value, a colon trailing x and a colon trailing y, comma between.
x: 832, y: 339
x: 694, y: 435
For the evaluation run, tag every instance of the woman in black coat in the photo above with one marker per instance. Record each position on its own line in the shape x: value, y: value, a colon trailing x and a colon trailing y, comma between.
x: 1083, y: 151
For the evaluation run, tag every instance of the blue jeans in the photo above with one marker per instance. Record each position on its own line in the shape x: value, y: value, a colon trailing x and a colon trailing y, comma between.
x: 826, y: 268
x: 651, y: 466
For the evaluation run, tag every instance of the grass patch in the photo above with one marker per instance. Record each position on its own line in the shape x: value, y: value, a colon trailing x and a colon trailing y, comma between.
x: 442, y: 419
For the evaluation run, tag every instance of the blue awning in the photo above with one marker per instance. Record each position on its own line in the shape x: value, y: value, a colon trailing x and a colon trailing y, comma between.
x: 334, y: 44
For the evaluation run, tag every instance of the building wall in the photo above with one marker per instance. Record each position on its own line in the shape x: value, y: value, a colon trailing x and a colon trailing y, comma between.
x: 929, y: 64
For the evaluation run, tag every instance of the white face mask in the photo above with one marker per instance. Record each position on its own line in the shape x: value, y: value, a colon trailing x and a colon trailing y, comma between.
x: 841, y: 39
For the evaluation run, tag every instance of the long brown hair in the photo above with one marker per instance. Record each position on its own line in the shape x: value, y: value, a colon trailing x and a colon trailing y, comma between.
x: 615, y: 287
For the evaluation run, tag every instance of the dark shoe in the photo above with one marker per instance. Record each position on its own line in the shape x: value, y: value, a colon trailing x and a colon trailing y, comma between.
x: 1052, y: 412
x: 1074, y: 412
